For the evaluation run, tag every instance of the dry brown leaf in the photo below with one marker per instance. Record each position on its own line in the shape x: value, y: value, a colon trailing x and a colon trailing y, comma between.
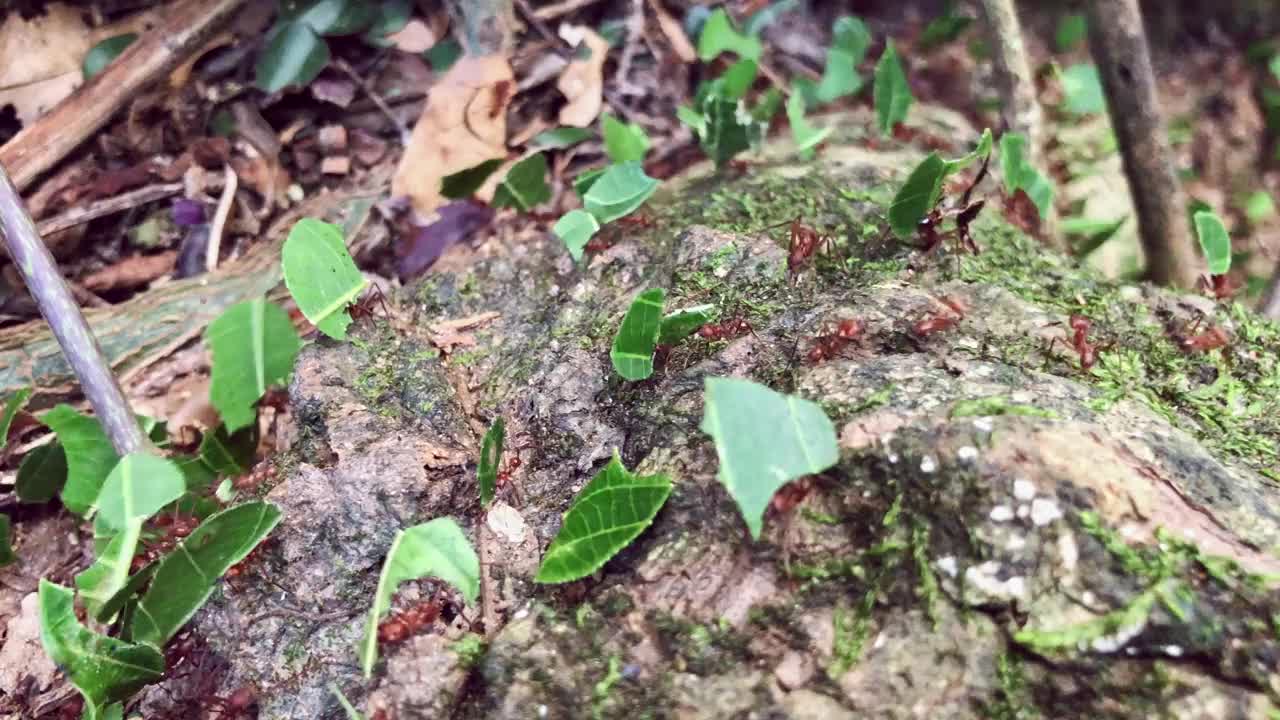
x: 131, y: 272
x: 582, y: 82
x: 463, y: 124
x: 675, y: 34
x: 414, y: 37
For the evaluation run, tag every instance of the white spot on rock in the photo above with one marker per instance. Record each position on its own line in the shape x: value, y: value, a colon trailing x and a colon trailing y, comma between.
x: 1069, y: 554
x: 893, y: 457
x: 983, y: 423
x: 1001, y: 513
x: 928, y: 464
x: 948, y: 565
x: 1044, y: 511
x: 1024, y: 489
x: 1024, y: 511
x: 1087, y: 597
x: 968, y: 453
x: 1173, y: 650
x: 506, y: 522
x: 880, y: 641
x: 1015, y: 543
x: 983, y: 580
x: 542, y: 711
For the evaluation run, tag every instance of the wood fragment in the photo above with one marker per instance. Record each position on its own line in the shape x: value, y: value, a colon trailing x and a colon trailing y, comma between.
x: 107, y: 206
x: 551, y: 12
x: 336, y: 165
x: 220, y: 219
x: 131, y: 272
x: 466, y: 323
x: 676, y: 36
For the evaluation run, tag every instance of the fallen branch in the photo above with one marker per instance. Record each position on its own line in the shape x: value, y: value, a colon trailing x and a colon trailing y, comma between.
x: 107, y: 206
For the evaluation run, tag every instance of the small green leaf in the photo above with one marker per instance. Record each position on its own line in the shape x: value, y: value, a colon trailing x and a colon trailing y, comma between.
x: 694, y: 119
x: 981, y: 151
x: 7, y: 557
x: 464, y: 183
x: 719, y: 35
x: 109, y: 574
x: 575, y: 228
x: 727, y: 133
x: 917, y: 196
x: 101, y: 55
x: 1082, y: 90
x: 736, y: 81
x: 254, y: 346
x: 623, y: 142
x: 321, y: 275
x: 767, y: 15
x: 437, y: 549
x: 892, y: 93
x: 443, y: 55
x: 104, y: 669
x: 1020, y: 174
x: 227, y: 453
x: 89, y: 454
x: 294, y: 55
x: 806, y: 136
x: 582, y: 184
x: 945, y: 28
x: 610, y: 512
x: 525, y: 185
x: 11, y: 407
x: 390, y: 17
x: 331, y: 17
x: 490, y: 461
x: 618, y: 192
x: 42, y: 474
x: 1095, y: 232
x: 186, y: 576
x: 632, y: 352
x: 848, y: 48
x: 1071, y: 32
x: 764, y: 440
x: 561, y: 137
x: 680, y: 324
x: 1257, y: 207
x: 1214, y: 241
x: 137, y: 488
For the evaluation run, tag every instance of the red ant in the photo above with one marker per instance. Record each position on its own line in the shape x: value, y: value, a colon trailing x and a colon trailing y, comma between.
x: 405, y: 624
x: 599, y: 243
x: 1211, y: 339
x: 1080, y: 326
x: 829, y: 345
x: 364, y: 307
x: 504, y: 478
x: 802, y: 243
x: 929, y: 230
x: 939, y: 321
x: 789, y: 496
x: 1220, y: 286
x: 726, y: 330
x: 176, y: 527
x: 643, y: 222
x: 242, y: 567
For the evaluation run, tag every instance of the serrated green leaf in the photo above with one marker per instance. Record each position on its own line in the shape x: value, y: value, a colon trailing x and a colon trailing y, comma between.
x: 764, y: 440
x: 7, y: 556
x: 1214, y: 241
x: 437, y: 549
x: 610, y: 512
x: 632, y: 353
x: 917, y: 196
x: 719, y: 35
x: 185, y: 577
x: 1020, y: 174
x: 464, y: 183
x: 490, y: 461
x: 1082, y: 90
x: 321, y: 275
x: 331, y: 17
x: 849, y: 44
x: 618, y: 192
x: 805, y: 135
x: 42, y: 474
x: 89, y: 454
x: 682, y: 323
x: 575, y: 228
x: 104, y: 669
x: 101, y: 55
x: 525, y: 185
x: 729, y: 130
x: 294, y: 55
x: 561, y: 137
x: 11, y: 407
x: 254, y: 346
x: 892, y: 93
x: 623, y: 142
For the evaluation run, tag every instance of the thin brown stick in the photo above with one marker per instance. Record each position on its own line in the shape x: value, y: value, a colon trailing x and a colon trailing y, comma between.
x: 185, y: 29
x: 107, y: 206
x: 551, y: 12
x: 376, y: 98
x: 229, y: 184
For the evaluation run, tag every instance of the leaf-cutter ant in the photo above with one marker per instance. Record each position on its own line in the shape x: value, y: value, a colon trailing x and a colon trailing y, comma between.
x: 936, y: 322
x: 802, y: 243
x: 1080, y: 326
x: 929, y: 230
x: 368, y: 302
x: 1211, y: 339
x: 727, y: 330
x: 1221, y: 287
x: 403, y: 625
x: 829, y: 345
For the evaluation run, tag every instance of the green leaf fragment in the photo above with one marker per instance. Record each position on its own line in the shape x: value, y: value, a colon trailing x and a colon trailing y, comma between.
x: 767, y: 15
x: 917, y: 196
x: 719, y: 35
x: 104, y: 669
x: 576, y: 228
x: 680, y: 324
x: 806, y: 136
x: 586, y: 179
x: 618, y: 192
x: 764, y: 440
x: 736, y: 81
x: 7, y: 555
x: 892, y: 93
x: 1082, y: 90
x: 490, y: 461
x: 186, y: 577
x: 137, y: 488
x: 1071, y: 32
x: 525, y: 185
x: 321, y: 275
x: 438, y: 549
x: 464, y: 183
x: 610, y: 512
x: 391, y: 16
x: 294, y: 55
x: 1020, y: 174
x: 101, y: 55
x: 42, y: 474
x: 848, y: 49
x: 1257, y: 207
x: 332, y: 17
x: 561, y: 137
x: 12, y: 406
x: 1214, y: 241
x: 443, y: 55
x: 632, y: 353
x: 623, y: 141
x: 982, y: 150
x: 254, y: 346
x: 89, y: 456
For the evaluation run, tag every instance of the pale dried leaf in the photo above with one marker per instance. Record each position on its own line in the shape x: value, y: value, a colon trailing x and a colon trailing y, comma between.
x: 675, y: 34
x: 414, y: 37
x: 582, y: 81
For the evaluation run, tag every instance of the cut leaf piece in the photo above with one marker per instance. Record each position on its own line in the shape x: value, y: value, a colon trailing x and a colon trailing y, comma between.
x: 1020, y: 174
x: 1082, y: 90
x: 254, y: 346
x: 586, y: 179
x: 331, y: 17
x: 42, y: 474
x: 525, y: 185
x: 6, y: 548
x: 917, y: 196
x: 137, y: 488
x: 623, y: 142
x: 490, y: 461
x: 294, y: 55
x: 347, y: 707
x: 682, y: 323
x: 101, y: 55
x: 575, y: 228
x: 719, y: 35
x: 848, y: 48
x: 321, y: 275
x: 982, y: 150
x: 805, y: 135
x: 764, y: 440
x: 104, y: 669
x: 109, y: 574
x: 892, y: 93
x: 89, y: 454
x: 185, y: 577
x: 632, y: 352
x: 437, y: 549
x: 1214, y: 241
x: 465, y: 183
x: 618, y: 192
x: 610, y: 512
x: 11, y: 407
x: 561, y: 137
